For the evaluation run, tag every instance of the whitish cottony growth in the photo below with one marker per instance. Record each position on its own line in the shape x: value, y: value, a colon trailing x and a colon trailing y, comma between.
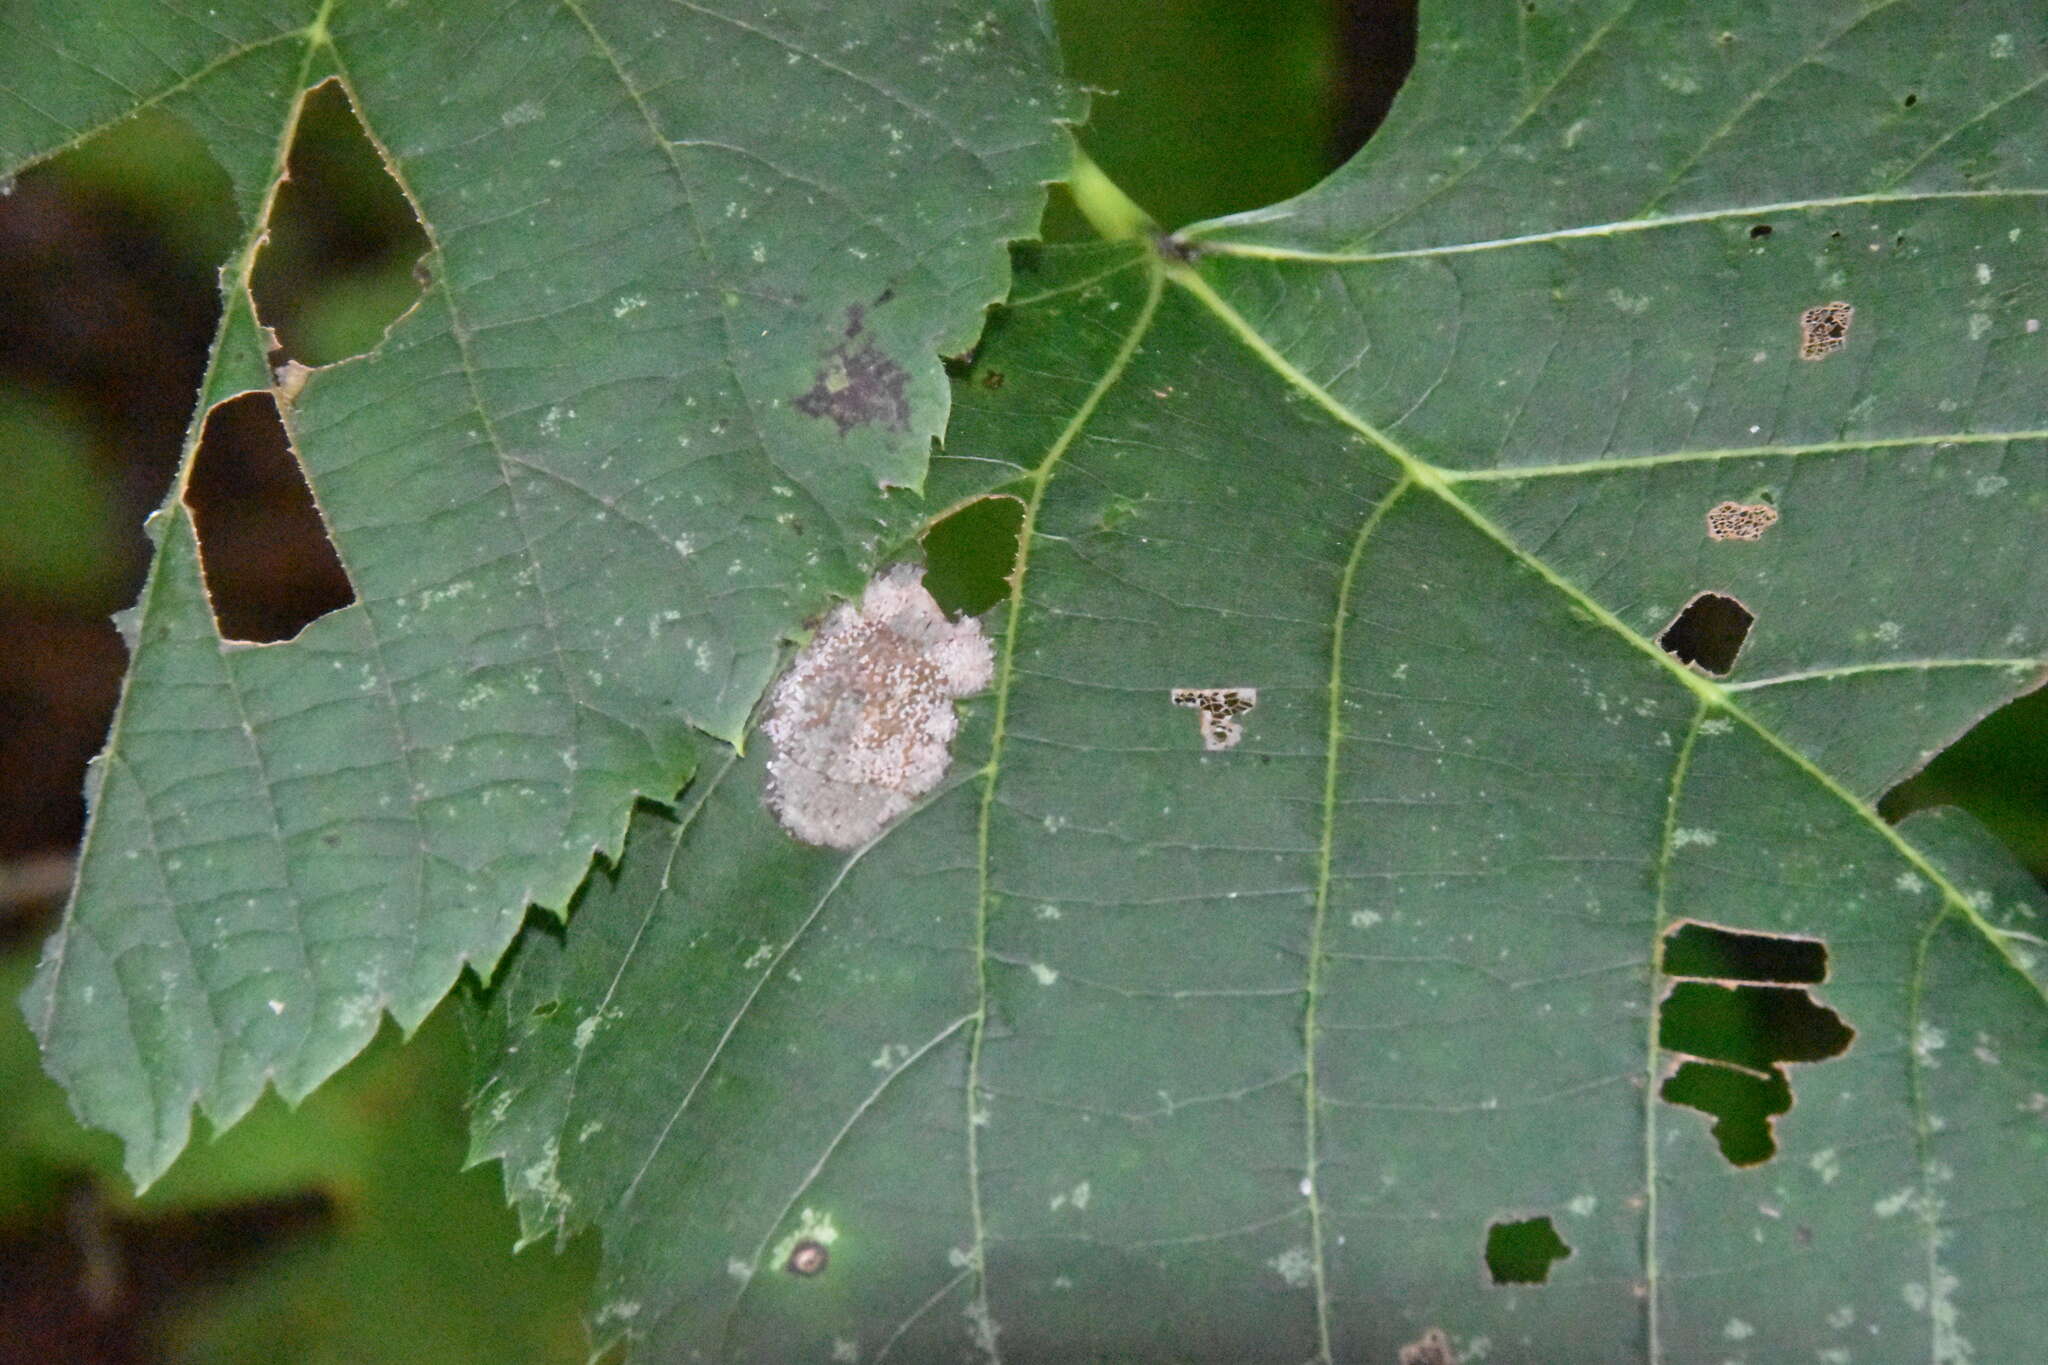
x: 863, y: 721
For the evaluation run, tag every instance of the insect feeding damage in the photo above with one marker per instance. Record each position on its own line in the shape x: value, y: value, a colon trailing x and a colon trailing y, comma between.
x: 1740, y: 520
x: 858, y: 385
x: 863, y: 721
x: 1431, y: 1348
x: 1220, y: 708
x: 1823, y: 330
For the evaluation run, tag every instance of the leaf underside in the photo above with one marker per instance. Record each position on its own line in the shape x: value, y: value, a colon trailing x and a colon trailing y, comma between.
x: 1121, y: 1046
x: 692, y: 271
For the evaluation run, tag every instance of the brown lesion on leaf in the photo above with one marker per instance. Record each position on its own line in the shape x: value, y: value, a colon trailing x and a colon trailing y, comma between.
x: 1740, y: 520
x: 1824, y: 329
x: 1220, y: 708
x: 858, y: 385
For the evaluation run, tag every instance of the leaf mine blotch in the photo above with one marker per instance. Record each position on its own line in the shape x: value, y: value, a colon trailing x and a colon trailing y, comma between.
x: 1220, y: 708
x: 1824, y: 329
x: 1740, y: 520
x: 858, y: 384
x: 863, y: 721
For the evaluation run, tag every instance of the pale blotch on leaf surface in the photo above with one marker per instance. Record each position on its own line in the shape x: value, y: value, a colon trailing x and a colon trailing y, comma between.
x: 1431, y: 1348
x: 1740, y: 520
x: 1220, y: 708
x: 1824, y: 329
x: 863, y: 721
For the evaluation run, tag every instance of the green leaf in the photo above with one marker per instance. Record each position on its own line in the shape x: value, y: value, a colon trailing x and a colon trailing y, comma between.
x: 1141, y: 1039
x: 692, y: 272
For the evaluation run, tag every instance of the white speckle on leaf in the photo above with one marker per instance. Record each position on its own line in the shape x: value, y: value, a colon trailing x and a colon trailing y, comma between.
x: 628, y: 303
x: 1988, y: 484
x: 1928, y: 1040
x: 1045, y: 975
x: 526, y: 111
x: 1888, y: 632
x: 1892, y: 1205
x: 1687, y: 838
x: 1582, y: 1206
x: 1980, y: 326
x: 738, y: 1269
x: 1716, y: 725
x: 863, y: 721
x: 1364, y: 919
x: 2002, y: 47
x: 1738, y: 1330
x: 277, y: 1007
x: 844, y: 1350
x: 1076, y: 1198
x: 1983, y: 273
x: 758, y: 958
x: 1825, y: 1163
x: 1295, y: 1266
x: 1910, y: 883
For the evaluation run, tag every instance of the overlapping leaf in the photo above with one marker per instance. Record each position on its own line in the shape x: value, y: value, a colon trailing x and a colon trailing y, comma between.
x: 692, y: 270
x: 1120, y: 1047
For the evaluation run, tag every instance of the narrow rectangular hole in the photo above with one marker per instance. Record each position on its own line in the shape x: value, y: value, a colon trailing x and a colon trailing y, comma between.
x: 1705, y: 950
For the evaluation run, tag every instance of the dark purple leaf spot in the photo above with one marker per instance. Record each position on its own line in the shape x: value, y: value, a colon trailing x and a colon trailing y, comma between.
x: 858, y: 385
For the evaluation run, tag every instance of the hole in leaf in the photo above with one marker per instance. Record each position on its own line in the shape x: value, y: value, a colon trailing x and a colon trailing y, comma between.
x: 1760, y: 231
x: 1741, y: 1104
x: 1708, y: 633
x: 1750, y: 1026
x: 970, y: 554
x: 338, y: 262
x: 1999, y: 773
x: 270, y: 568
x: 1910, y: 100
x: 1730, y: 955
x: 808, y: 1257
x: 1523, y: 1252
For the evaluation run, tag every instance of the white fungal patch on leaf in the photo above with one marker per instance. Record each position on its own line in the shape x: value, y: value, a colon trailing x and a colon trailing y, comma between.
x: 863, y: 721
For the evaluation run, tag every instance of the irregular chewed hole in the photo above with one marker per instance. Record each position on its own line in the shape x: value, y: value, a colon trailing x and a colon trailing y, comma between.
x: 970, y: 554
x: 1824, y: 329
x: 1750, y: 1026
x: 1708, y: 633
x: 1523, y: 1252
x: 338, y: 263
x: 1740, y: 520
x: 1431, y: 1348
x: 1728, y: 955
x: 1220, y: 708
x: 1760, y: 231
x: 270, y: 569
x: 1741, y: 1103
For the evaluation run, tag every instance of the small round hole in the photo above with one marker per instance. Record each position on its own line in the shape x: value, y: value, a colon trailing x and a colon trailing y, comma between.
x: 808, y: 1257
x: 1760, y: 231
